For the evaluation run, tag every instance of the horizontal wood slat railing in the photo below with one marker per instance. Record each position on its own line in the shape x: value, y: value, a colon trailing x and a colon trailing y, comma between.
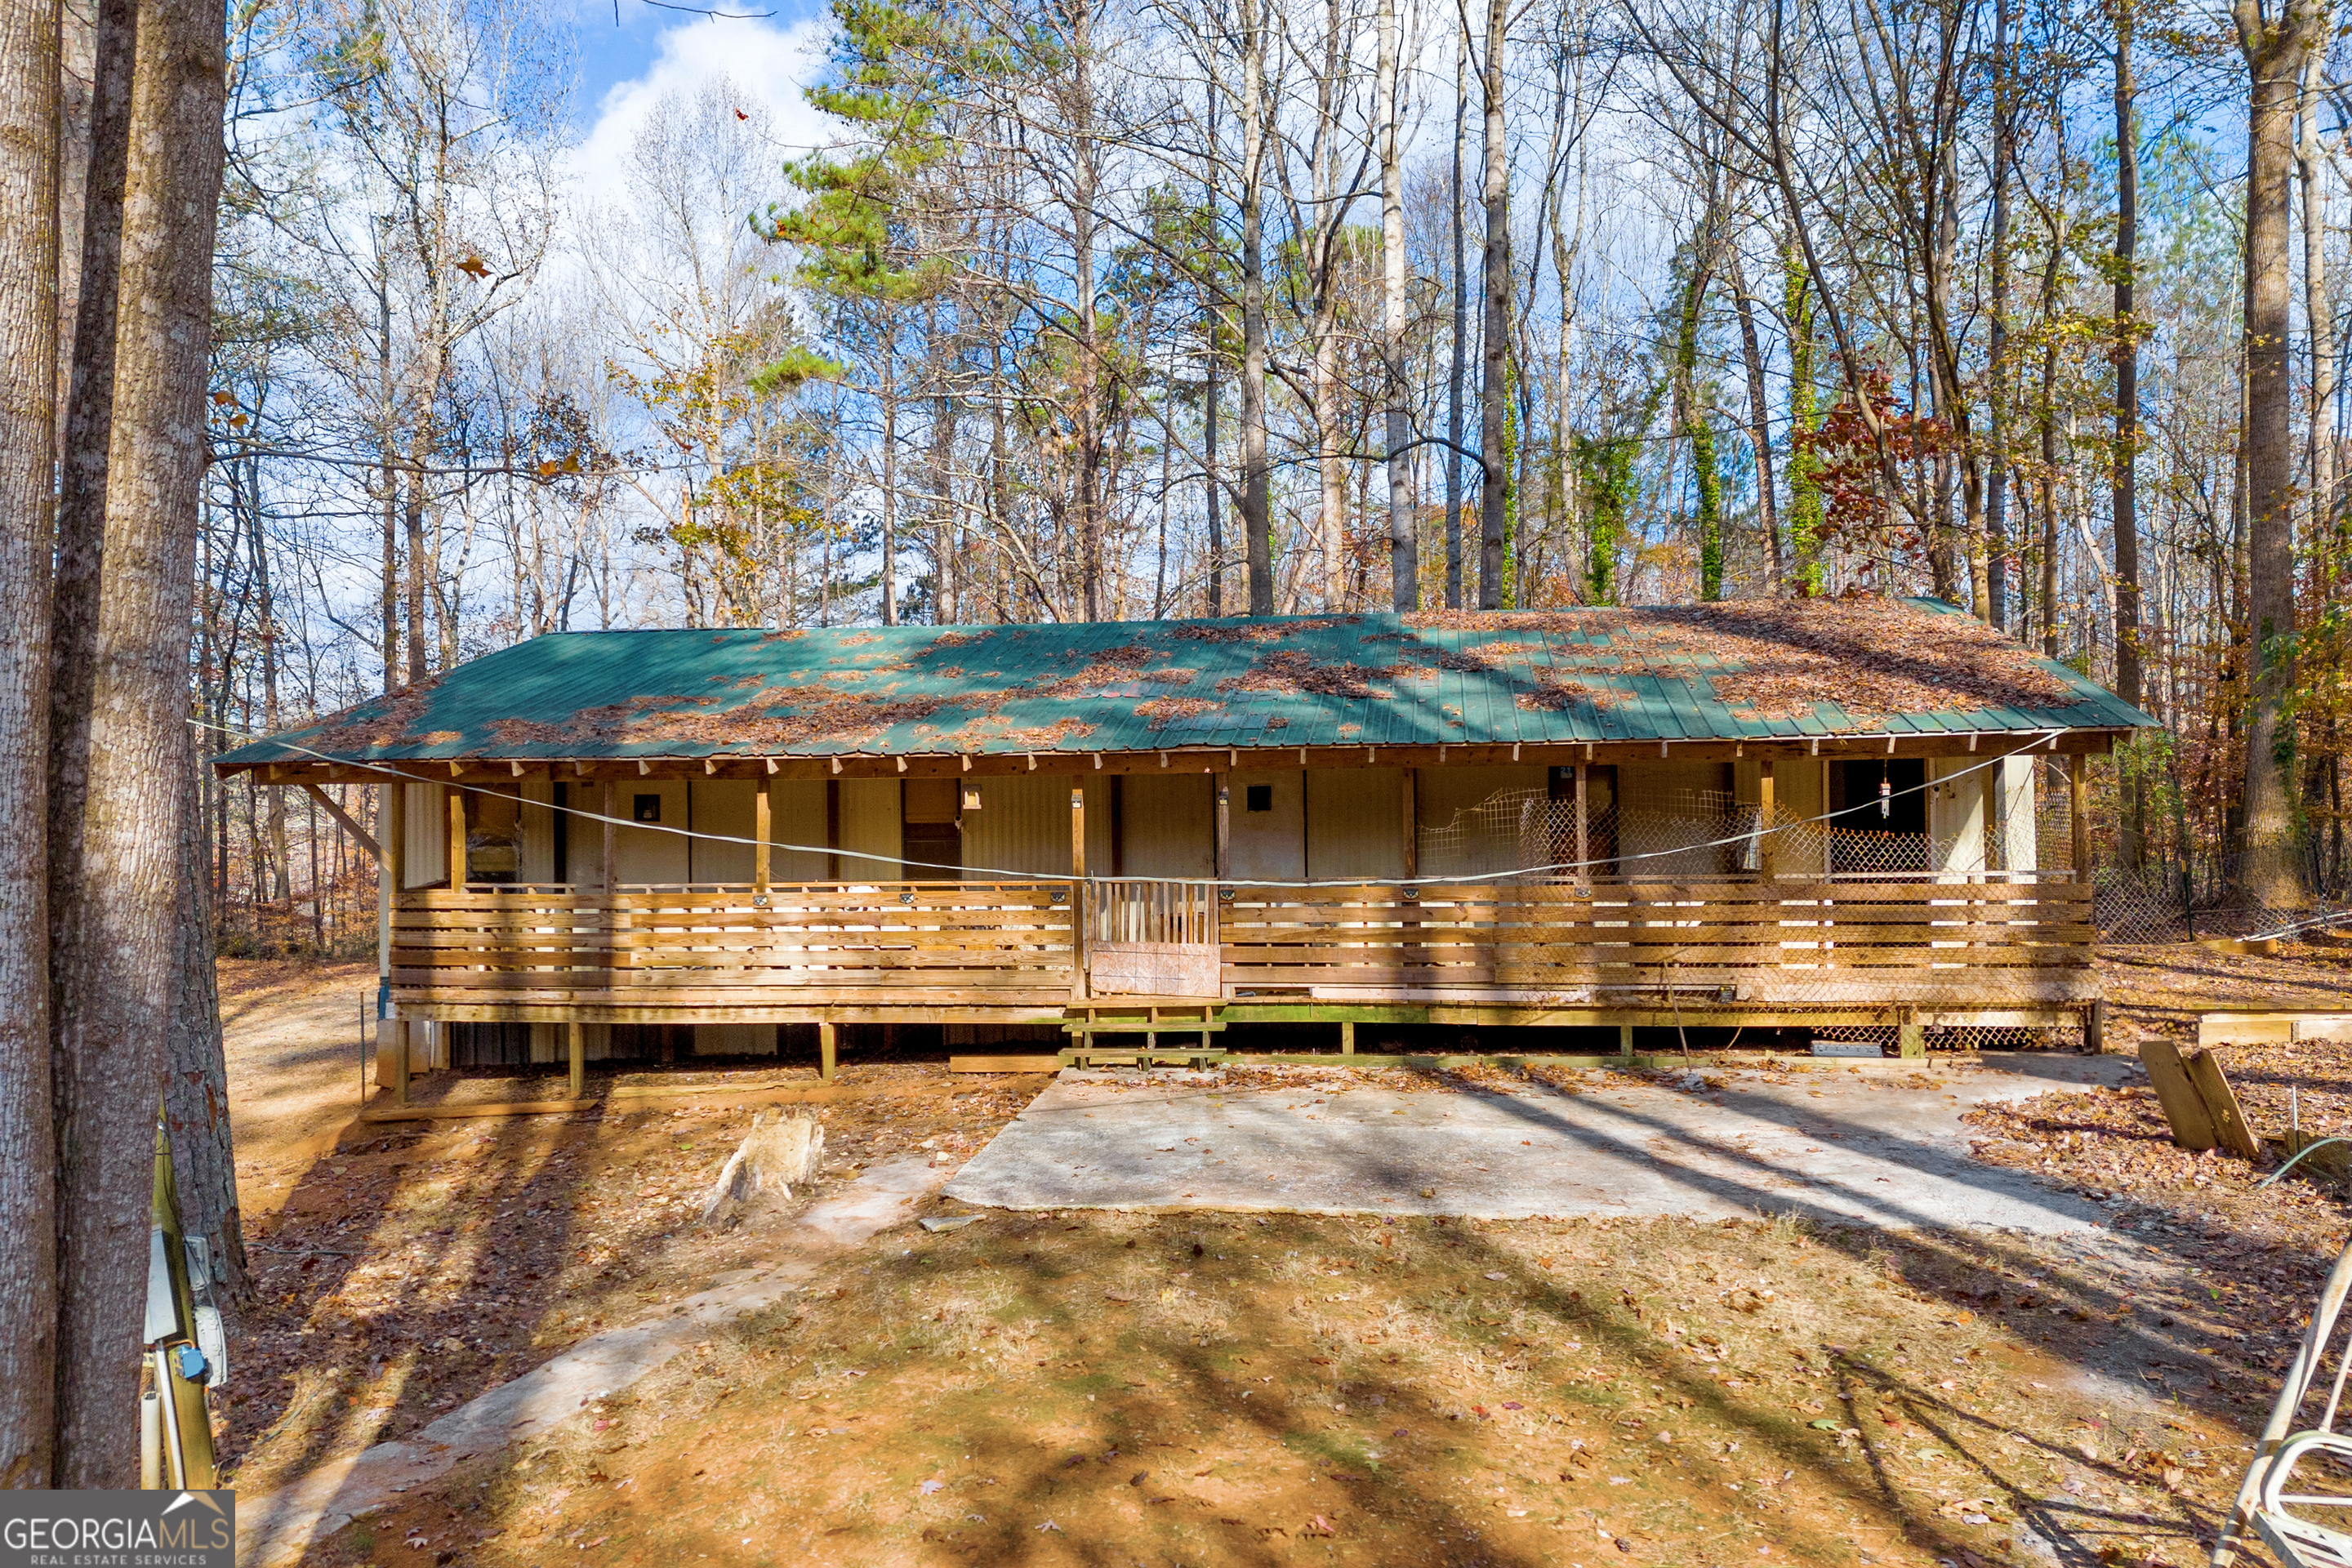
x: 937, y: 944
x: 942, y: 945
x: 1786, y: 942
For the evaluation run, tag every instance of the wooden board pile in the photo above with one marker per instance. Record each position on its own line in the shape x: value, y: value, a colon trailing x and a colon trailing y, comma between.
x: 2204, y: 1112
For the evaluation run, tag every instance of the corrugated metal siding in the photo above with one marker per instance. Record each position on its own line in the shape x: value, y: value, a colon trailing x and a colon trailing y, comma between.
x: 1171, y: 824
x: 721, y: 807
x: 1023, y: 824
x: 1355, y: 822
x: 796, y: 815
x: 427, y: 815
x: 869, y: 825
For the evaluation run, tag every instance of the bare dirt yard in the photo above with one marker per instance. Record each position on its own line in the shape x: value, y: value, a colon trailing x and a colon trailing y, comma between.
x: 1081, y: 1386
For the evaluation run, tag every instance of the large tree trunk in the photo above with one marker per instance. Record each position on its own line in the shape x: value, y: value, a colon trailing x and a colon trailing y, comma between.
x: 2274, y: 49
x: 1494, y: 345
x: 1997, y: 378
x: 1455, y: 375
x: 195, y: 1078
x: 29, y: 46
x: 2317, y: 310
x: 116, y: 1004
x: 1257, y: 498
x: 1760, y: 426
x: 2124, y: 480
x: 1404, y: 556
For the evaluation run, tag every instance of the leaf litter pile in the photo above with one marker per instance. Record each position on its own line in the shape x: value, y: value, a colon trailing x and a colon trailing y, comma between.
x: 2248, y: 1259
x: 1205, y: 1388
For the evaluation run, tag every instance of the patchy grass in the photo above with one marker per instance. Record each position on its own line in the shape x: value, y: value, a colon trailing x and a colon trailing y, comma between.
x: 1214, y: 1388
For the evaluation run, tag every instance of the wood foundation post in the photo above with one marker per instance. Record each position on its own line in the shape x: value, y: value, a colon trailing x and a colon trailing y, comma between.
x: 1911, y: 1039
x: 401, y: 1059
x: 2078, y: 809
x: 761, y: 806
x: 578, y: 1059
x: 456, y: 839
x: 1348, y: 1037
x: 827, y: 1052
x: 1767, y: 841
x: 1626, y: 1041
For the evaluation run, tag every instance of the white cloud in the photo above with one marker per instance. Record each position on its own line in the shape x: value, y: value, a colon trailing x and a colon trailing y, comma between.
x: 767, y: 63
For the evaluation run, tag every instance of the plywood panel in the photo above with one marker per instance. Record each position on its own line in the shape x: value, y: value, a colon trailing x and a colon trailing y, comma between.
x: 1271, y: 844
x: 1171, y: 824
x: 870, y: 827
x: 2015, y: 815
x: 1800, y: 795
x: 1957, y: 787
x: 1354, y: 823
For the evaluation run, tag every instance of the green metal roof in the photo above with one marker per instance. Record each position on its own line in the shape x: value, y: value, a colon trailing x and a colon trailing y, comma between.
x: 1748, y: 670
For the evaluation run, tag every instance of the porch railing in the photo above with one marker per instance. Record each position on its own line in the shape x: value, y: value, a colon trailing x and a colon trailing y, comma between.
x: 708, y: 949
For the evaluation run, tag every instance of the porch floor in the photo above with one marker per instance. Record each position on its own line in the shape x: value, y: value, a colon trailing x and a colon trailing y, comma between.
x: 1883, y: 1146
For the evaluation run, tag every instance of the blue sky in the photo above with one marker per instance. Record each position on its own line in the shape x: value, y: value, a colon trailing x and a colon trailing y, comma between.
x: 626, y: 69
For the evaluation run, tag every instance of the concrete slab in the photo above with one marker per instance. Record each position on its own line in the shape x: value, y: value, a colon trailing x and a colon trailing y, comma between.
x: 1842, y: 1148
x: 276, y: 1529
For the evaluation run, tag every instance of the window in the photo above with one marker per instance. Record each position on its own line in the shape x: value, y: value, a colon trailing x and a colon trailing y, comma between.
x: 648, y: 809
x: 1260, y: 797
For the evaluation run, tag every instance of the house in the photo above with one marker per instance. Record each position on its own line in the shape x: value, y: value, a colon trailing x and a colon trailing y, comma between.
x: 1762, y: 814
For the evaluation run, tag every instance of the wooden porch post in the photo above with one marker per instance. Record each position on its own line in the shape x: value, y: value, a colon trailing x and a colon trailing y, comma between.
x: 612, y: 868
x: 1225, y: 827
x: 826, y: 1052
x: 832, y: 829
x: 759, y: 818
x: 456, y: 839
x: 1078, y: 890
x: 1583, y: 832
x: 579, y: 1060
x: 1767, y: 853
x: 2078, y: 808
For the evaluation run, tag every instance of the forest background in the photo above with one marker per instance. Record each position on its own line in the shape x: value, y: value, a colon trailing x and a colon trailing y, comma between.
x: 1117, y: 309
